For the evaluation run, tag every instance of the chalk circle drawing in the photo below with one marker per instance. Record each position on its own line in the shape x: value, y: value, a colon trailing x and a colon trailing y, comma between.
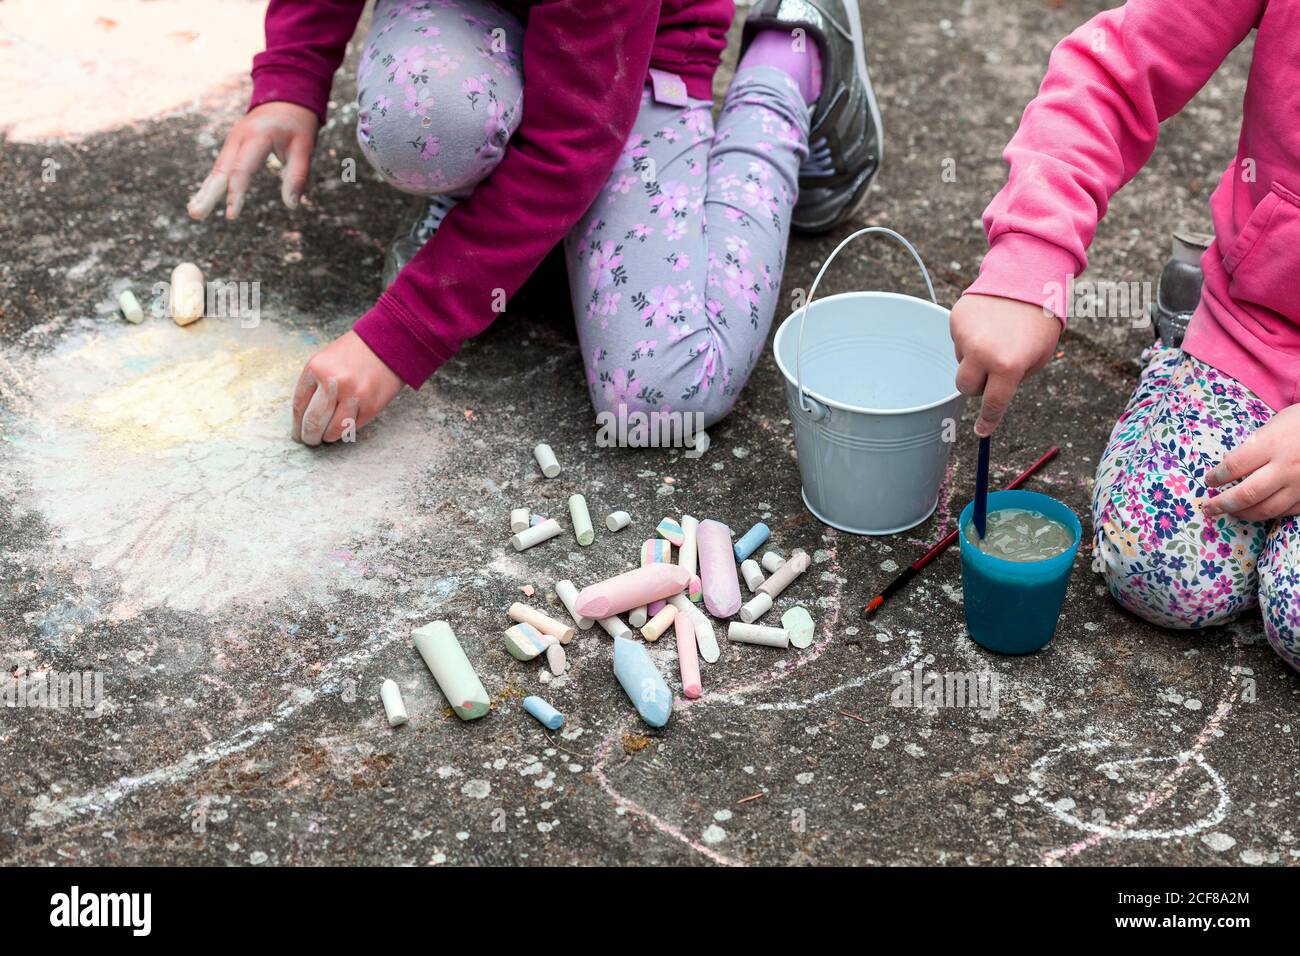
x: 1144, y: 782
x: 160, y: 457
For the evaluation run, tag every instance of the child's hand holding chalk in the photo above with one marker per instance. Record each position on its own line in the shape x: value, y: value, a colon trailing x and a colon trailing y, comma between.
x: 341, y: 389
x: 286, y: 129
x: 999, y: 343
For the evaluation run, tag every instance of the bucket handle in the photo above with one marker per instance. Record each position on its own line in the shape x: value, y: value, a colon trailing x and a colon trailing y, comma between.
x: 818, y: 411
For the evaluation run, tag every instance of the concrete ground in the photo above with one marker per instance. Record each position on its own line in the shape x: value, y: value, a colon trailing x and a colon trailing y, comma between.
x: 242, y: 598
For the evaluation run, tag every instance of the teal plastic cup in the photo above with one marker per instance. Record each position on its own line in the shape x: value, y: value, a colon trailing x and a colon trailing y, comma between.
x: 1012, y: 606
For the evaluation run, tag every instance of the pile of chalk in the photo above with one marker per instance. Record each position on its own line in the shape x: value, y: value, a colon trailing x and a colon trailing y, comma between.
x: 687, y: 594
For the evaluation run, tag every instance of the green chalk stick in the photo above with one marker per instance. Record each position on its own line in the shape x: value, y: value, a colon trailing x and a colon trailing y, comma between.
x: 451, y: 669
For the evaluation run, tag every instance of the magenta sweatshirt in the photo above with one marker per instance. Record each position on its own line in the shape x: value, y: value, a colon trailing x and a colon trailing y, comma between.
x: 1094, y: 124
x: 584, y: 62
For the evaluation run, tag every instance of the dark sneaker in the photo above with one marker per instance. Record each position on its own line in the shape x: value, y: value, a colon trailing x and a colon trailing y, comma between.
x: 846, y: 139
x: 1179, y: 290
x: 420, y: 221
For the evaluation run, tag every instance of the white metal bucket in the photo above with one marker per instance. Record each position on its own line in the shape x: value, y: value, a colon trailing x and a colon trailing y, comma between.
x: 870, y: 384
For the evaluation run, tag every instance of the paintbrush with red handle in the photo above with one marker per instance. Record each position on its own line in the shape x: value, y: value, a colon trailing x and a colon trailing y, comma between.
x: 915, y: 567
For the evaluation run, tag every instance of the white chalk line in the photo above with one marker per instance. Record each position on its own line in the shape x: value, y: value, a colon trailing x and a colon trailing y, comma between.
x: 1159, y: 795
x: 48, y: 812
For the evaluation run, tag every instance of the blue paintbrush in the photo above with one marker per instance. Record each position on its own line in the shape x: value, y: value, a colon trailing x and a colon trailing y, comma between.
x: 982, y: 489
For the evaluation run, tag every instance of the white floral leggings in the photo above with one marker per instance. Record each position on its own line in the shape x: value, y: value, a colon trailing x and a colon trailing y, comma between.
x: 1161, y: 558
x: 676, y: 267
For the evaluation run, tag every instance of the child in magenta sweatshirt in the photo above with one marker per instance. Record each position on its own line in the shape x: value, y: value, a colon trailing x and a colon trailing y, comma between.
x: 1197, y: 493
x: 582, y: 121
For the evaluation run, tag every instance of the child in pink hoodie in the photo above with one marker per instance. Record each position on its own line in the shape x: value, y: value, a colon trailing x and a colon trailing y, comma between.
x: 1197, y: 494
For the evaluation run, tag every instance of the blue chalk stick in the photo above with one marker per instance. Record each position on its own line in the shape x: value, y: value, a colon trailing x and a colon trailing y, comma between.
x: 547, y: 715
x: 641, y: 682
x: 751, y: 540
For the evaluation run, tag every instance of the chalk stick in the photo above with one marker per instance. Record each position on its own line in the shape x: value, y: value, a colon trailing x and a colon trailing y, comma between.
x: 546, y: 715
x: 130, y: 307
x: 751, y: 540
x: 718, y: 577
x: 786, y: 573
x: 567, y: 592
x: 705, y: 639
x: 688, y: 660
x: 452, y: 670
x: 546, y: 460
x: 547, y: 625
x: 758, y: 634
x: 525, y: 642
x: 688, y: 557
x: 670, y: 531
x: 752, y: 573
x: 614, y: 626
x: 187, y: 294
x: 536, y: 535
x: 617, y: 520
x: 642, y: 682
x: 556, y: 659
x: 771, y: 561
x: 638, y: 616
x: 631, y: 589
x: 581, y: 520
x: 758, y: 605
x: 655, y: 551
x: 656, y: 626
x: 518, y: 520
x: 799, y: 623
x: 394, y: 708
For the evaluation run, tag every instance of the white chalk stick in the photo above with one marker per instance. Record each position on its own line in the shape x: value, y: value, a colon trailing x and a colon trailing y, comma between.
x: 758, y: 634
x: 391, y: 695
x: 547, y: 625
x: 617, y: 520
x: 187, y: 294
x: 452, y: 670
x: 518, y: 520
x: 567, y: 592
x: 130, y: 307
x: 546, y: 460
x: 638, y: 616
x: 615, y: 627
x: 705, y: 639
x: 752, y: 573
x: 545, y: 531
x: 581, y: 520
x: 772, y: 561
x: 758, y: 605
x: 656, y: 626
x: 787, y: 572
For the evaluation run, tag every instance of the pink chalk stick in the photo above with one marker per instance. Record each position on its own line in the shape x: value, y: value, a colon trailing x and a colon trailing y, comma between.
x: 631, y: 589
x: 718, y: 576
x: 687, y: 657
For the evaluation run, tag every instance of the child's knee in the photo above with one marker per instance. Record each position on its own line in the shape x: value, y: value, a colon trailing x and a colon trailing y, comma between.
x: 442, y: 136
x: 1279, y: 602
x: 1163, y: 587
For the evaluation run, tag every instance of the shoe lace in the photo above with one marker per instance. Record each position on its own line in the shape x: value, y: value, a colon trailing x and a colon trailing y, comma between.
x: 435, y: 211
x: 820, y: 161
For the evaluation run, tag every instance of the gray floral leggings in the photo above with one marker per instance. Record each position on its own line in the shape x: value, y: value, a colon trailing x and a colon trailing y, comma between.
x: 676, y: 267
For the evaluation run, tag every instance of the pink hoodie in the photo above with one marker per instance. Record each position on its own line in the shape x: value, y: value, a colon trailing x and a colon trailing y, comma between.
x: 1094, y: 124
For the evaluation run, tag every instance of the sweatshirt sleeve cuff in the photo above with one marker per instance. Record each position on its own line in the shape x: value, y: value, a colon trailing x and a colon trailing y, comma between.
x: 1028, y: 269
x: 401, y: 341
x: 285, y: 84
